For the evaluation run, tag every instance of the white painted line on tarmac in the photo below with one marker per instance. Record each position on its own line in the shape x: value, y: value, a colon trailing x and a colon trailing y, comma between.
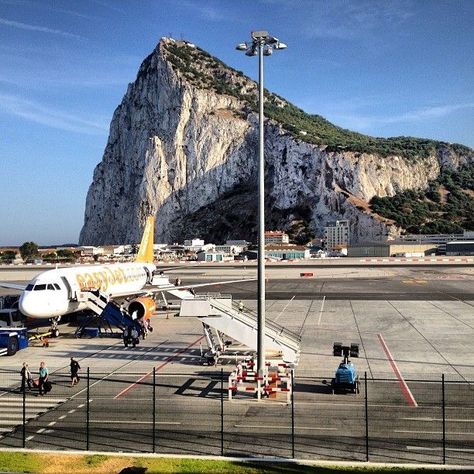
x: 40, y: 430
x: 426, y: 448
x: 52, y: 423
x: 62, y: 417
x: 283, y: 310
x: 29, y: 438
x: 406, y: 391
x: 432, y: 432
x: 454, y: 420
x: 80, y: 406
x: 71, y: 411
x: 285, y: 427
x: 125, y: 422
x: 321, y: 310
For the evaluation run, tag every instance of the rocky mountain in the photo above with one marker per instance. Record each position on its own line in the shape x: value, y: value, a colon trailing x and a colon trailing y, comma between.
x: 183, y: 144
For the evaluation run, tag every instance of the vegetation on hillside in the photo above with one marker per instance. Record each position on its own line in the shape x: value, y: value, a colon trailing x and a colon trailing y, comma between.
x: 208, y: 72
x: 447, y: 206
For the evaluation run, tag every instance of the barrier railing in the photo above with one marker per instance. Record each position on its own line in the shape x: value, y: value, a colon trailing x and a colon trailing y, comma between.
x: 191, y: 414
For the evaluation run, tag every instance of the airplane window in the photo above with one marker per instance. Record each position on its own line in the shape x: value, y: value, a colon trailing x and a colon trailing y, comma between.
x: 50, y: 287
x: 29, y: 287
x: 40, y: 287
x: 57, y: 286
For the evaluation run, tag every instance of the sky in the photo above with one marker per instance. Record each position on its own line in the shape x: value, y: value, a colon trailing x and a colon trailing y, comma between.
x: 384, y: 68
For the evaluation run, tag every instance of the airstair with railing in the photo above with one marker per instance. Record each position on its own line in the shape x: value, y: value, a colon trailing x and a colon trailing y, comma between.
x: 109, y: 313
x: 222, y: 316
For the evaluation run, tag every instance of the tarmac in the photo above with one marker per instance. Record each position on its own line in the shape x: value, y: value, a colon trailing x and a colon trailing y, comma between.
x: 413, y: 324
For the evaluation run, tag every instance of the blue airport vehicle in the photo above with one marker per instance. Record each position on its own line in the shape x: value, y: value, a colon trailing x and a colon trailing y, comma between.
x: 346, y: 377
x: 13, y: 339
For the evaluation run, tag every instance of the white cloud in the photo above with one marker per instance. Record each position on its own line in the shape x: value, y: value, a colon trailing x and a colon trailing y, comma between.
x: 41, y: 29
x: 45, y: 115
x: 347, y: 20
x: 365, y: 121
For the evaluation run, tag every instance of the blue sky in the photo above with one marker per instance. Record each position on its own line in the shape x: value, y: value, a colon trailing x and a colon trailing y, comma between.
x: 385, y: 68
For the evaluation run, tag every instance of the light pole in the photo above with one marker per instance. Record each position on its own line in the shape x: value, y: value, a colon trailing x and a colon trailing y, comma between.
x: 262, y: 44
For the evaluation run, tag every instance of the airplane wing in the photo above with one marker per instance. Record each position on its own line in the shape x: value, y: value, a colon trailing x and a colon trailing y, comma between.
x: 12, y: 286
x: 152, y: 289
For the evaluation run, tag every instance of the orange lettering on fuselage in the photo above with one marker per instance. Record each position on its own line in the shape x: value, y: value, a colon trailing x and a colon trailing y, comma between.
x: 107, y: 278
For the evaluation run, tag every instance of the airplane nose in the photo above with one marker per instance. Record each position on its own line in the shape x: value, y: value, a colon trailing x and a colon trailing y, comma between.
x: 26, y: 305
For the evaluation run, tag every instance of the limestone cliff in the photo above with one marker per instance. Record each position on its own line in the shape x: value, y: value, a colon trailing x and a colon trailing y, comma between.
x: 183, y: 144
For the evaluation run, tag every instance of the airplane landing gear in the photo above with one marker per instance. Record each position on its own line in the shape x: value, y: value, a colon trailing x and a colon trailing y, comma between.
x: 54, y: 326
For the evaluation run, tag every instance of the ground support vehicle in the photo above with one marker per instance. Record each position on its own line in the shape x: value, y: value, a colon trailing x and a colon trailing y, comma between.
x: 346, y: 377
x: 12, y: 340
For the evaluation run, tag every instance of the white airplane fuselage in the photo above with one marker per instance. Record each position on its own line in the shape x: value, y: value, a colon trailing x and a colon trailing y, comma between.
x: 53, y: 293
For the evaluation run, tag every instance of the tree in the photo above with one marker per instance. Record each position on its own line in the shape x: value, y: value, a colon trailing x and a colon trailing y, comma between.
x: 67, y: 255
x: 28, y: 250
x: 7, y: 256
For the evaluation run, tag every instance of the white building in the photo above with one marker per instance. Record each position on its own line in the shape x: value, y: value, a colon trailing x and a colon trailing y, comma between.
x: 337, y: 234
x: 212, y: 256
x: 193, y: 245
x: 229, y: 249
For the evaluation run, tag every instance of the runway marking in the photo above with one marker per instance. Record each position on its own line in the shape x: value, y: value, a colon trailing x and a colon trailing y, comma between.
x: 29, y: 438
x: 62, y: 417
x: 432, y: 432
x: 125, y: 422
x: 283, y: 310
x: 166, y: 362
x: 52, y: 423
x: 80, y: 406
x: 71, y: 411
x: 321, y: 310
x: 285, y: 427
x: 40, y: 430
x: 454, y: 420
x: 426, y: 448
x: 403, y: 385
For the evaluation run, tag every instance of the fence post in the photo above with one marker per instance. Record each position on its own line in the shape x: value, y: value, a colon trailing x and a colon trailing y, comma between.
x: 292, y: 415
x: 222, y: 412
x: 24, y: 409
x: 154, y: 409
x: 366, y: 419
x: 87, y: 409
x: 444, y: 418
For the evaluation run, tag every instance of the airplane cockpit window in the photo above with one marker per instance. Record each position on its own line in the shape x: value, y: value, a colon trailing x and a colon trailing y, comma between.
x: 29, y: 287
x: 50, y: 287
x: 57, y: 286
x: 40, y: 287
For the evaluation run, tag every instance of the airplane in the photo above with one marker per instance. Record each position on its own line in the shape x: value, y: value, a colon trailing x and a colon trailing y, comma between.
x: 54, y: 293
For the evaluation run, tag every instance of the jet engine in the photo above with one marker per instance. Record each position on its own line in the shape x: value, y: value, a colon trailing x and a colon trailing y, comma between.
x: 144, y: 306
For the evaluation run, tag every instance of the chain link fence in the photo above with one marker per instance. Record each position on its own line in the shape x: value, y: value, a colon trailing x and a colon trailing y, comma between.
x: 429, y: 421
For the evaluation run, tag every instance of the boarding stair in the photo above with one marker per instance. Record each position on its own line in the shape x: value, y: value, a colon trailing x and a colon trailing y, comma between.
x: 108, y: 313
x: 220, y: 315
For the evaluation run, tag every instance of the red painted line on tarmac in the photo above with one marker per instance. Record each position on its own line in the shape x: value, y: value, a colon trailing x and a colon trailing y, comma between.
x: 157, y: 368
x: 403, y: 385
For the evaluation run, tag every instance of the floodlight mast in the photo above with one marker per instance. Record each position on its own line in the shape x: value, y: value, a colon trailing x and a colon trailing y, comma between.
x: 262, y: 44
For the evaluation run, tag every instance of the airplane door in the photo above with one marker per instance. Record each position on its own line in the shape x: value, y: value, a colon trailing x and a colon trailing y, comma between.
x: 68, y: 287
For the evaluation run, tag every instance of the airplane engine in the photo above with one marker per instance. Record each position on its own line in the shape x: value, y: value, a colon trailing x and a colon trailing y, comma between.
x: 144, y: 307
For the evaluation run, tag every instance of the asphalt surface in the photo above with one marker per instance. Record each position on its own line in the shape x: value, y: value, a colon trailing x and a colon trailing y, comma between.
x: 423, y: 318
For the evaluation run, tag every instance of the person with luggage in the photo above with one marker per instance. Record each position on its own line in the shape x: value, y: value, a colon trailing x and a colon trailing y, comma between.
x: 26, y: 377
x: 43, y: 378
x: 74, y: 366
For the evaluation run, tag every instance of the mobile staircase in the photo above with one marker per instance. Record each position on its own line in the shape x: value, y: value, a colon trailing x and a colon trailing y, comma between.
x: 109, y: 314
x: 221, y: 317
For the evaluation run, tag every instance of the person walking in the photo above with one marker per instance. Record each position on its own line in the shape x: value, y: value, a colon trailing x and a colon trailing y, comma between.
x: 74, y: 371
x: 43, y: 377
x: 25, y: 377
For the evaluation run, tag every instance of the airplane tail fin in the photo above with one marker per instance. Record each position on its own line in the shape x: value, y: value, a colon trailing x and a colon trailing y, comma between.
x: 145, y: 251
